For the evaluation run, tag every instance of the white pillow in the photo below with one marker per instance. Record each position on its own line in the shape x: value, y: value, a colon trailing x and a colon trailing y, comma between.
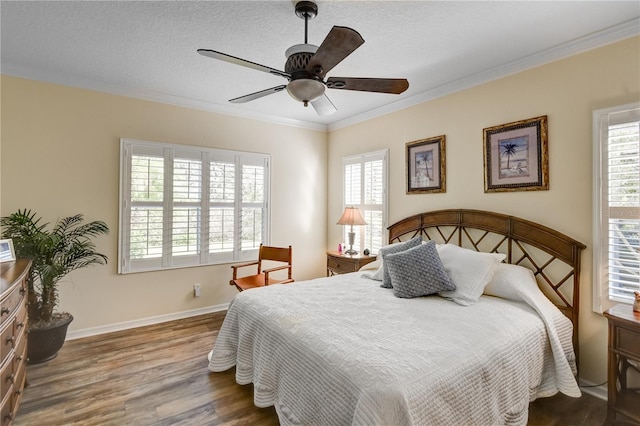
x: 372, y: 265
x: 508, y: 281
x: 469, y: 270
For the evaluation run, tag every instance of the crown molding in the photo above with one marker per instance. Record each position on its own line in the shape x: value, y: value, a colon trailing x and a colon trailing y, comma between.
x: 146, y: 95
x: 599, y: 39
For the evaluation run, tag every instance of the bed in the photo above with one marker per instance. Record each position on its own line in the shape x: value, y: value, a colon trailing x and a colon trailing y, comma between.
x: 343, y: 350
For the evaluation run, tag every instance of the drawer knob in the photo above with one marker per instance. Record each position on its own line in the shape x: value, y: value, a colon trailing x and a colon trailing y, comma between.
x: 11, y: 378
x: 10, y: 339
x: 4, y: 310
x: 20, y: 325
x: 19, y: 358
x: 23, y: 290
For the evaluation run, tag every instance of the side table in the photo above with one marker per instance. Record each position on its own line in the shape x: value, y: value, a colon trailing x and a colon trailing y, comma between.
x: 624, y: 346
x: 338, y: 263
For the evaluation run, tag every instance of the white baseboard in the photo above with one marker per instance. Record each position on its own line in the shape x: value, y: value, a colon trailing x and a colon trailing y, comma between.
x: 597, y: 391
x: 94, y: 331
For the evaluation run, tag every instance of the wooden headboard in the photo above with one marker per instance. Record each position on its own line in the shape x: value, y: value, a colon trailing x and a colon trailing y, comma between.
x: 552, y: 256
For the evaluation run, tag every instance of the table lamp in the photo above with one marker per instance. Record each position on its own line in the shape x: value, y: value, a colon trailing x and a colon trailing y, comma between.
x: 351, y: 216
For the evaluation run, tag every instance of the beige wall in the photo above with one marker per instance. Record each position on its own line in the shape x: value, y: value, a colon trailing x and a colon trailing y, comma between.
x: 60, y: 156
x: 567, y: 91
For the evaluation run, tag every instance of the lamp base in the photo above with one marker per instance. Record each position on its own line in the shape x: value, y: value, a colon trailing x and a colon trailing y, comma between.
x: 352, y: 239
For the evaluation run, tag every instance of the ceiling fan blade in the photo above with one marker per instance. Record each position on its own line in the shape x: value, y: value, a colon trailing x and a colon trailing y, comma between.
x: 339, y: 43
x: 324, y: 106
x: 239, y: 61
x: 257, y: 95
x: 382, y: 85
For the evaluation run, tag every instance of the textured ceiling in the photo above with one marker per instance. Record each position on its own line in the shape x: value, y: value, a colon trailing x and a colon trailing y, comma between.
x: 147, y: 49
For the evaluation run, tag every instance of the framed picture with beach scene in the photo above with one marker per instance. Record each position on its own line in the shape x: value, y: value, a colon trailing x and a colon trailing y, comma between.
x: 516, y: 156
x: 426, y: 166
x: 7, y: 252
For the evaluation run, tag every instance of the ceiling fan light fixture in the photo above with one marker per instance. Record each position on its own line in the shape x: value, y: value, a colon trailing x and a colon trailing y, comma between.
x: 305, y: 90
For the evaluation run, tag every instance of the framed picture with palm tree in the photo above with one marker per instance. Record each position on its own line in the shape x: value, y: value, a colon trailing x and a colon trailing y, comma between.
x: 426, y: 166
x: 516, y: 156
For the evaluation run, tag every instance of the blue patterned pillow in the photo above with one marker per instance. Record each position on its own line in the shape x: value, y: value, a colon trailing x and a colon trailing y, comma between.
x: 418, y: 272
x: 395, y: 248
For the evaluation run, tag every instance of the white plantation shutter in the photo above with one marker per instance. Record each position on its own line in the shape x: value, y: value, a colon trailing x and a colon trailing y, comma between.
x: 352, y: 184
x: 186, y: 211
x: 222, y: 198
x: 145, y: 217
x: 617, y: 196
x: 365, y: 187
x: 185, y: 206
x: 252, y: 202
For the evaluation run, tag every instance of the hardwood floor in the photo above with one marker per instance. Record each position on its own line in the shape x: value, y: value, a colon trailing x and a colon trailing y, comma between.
x: 157, y: 375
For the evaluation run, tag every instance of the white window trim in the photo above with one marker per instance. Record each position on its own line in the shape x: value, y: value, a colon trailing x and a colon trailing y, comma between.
x: 204, y: 258
x: 601, y: 301
x: 362, y: 158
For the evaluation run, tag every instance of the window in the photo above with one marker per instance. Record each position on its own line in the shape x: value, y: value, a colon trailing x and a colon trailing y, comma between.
x: 616, y: 205
x: 185, y: 206
x: 365, y: 187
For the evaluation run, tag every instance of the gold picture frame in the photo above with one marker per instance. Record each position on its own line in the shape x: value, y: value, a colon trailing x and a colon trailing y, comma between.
x: 516, y: 156
x: 426, y: 165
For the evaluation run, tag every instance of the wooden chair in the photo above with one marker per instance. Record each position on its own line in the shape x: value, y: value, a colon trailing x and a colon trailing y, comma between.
x: 261, y: 279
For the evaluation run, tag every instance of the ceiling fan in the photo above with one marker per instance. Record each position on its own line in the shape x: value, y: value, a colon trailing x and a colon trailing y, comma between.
x: 307, y: 66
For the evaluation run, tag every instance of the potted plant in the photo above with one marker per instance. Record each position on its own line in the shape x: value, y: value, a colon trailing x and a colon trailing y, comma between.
x: 54, y: 252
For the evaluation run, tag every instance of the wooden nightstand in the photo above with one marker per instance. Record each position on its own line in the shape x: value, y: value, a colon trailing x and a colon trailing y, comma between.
x: 624, y: 345
x: 337, y: 263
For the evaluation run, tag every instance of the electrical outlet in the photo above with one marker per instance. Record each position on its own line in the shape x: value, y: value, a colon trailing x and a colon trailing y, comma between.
x: 196, y: 290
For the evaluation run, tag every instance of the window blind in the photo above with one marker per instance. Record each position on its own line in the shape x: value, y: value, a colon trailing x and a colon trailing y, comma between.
x: 365, y: 187
x: 623, y: 182
x: 185, y: 206
x: 617, y: 205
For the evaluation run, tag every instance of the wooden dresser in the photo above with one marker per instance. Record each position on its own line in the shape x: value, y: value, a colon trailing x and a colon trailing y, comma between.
x: 13, y: 336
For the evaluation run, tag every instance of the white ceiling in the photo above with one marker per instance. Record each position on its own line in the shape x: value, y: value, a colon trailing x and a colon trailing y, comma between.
x: 147, y: 49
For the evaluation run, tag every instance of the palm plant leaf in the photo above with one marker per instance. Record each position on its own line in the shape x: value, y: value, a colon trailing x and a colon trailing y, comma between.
x: 54, y: 253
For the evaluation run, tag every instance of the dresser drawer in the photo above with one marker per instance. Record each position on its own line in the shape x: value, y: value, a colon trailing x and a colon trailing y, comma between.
x: 20, y: 356
x: 6, y: 379
x: 7, y: 339
x: 20, y: 377
x: 21, y: 322
x: 628, y: 341
x: 6, y: 412
x: 342, y: 265
x: 10, y: 303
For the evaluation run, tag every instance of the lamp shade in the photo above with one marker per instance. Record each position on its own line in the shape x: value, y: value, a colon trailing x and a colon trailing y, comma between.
x: 351, y: 216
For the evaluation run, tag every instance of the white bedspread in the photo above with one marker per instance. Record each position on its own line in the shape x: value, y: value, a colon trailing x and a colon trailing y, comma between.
x: 342, y: 350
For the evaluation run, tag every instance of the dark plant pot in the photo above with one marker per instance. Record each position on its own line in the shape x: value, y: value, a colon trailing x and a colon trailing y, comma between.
x: 45, y: 341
